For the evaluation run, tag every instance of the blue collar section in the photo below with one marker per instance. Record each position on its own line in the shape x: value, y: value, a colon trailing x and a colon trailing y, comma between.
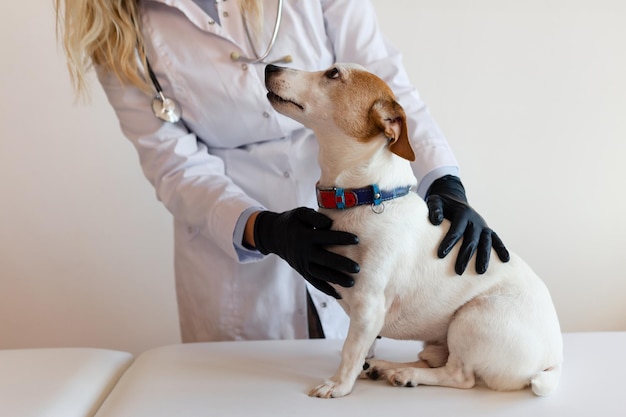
x: 345, y: 198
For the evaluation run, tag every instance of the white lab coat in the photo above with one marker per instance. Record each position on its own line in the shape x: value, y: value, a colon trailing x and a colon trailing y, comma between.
x: 233, y: 152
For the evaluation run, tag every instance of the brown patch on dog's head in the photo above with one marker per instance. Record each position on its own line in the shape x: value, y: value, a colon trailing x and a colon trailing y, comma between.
x: 370, y: 108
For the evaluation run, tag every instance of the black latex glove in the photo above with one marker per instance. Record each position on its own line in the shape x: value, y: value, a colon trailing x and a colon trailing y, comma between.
x: 299, y: 236
x: 446, y: 199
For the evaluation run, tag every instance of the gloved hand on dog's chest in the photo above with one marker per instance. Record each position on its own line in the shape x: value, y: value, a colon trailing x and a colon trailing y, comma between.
x: 446, y: 199
x: 300, y: 236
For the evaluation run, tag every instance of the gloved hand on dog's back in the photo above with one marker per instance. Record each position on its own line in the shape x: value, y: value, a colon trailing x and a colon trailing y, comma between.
x: 446, y: 199
x: 300, y: 236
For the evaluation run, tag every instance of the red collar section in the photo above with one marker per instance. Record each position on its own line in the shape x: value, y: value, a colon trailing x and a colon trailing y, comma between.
x: 344, y: 198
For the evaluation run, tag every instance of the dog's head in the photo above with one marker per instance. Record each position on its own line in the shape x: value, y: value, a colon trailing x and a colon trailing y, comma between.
x: 343, y: 99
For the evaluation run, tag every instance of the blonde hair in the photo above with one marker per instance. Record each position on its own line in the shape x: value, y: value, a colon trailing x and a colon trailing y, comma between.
x: 107, y: 33
x: 252, y: 12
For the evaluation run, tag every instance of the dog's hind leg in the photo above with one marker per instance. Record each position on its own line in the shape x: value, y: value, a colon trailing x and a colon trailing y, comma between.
x: 451, y: 375
x: 381, y: 369
x: 434, y: 355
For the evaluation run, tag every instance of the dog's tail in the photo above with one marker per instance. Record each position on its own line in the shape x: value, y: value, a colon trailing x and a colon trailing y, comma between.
x: 545, y: 382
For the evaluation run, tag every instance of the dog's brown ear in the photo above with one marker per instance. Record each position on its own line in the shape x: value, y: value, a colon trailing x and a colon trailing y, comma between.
x: 389, y: 116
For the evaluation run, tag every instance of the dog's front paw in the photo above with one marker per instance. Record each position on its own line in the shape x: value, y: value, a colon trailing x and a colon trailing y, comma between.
x: 331, y: 389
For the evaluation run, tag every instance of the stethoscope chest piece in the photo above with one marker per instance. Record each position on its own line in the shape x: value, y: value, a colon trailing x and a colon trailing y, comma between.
x: 166, y: 109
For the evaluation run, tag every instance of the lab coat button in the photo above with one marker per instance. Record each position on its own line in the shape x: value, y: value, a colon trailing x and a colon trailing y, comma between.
x: 244, y: 67
x: 211, y: 22
x: 323, y: 305
x: 225, y: 14
x: 286, y: 174
x: 266, y: 115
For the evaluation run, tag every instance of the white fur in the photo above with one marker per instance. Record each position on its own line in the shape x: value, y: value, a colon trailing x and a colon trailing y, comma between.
x: 499, y: 328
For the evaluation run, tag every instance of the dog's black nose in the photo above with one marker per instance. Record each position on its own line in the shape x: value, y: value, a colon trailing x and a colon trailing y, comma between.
x: 272, y: 68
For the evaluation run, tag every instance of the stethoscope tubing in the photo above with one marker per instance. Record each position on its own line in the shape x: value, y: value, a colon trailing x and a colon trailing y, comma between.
x: 154, y: 79
x: 270, y: 45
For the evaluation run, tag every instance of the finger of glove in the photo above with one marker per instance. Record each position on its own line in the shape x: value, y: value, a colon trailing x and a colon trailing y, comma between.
x: 435, y: 209
x: 500, y: 249
x: 455, y: 233
x: 332, y: 260
x: 313, y: 218
x: 483, y: 252
x: 324, y: 287
x: 324, y: 273
x: 332, y: 237
x: 468, y: 248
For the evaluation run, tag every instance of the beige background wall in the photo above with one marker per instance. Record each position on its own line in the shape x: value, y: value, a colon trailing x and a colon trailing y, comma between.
x: 530, y: 94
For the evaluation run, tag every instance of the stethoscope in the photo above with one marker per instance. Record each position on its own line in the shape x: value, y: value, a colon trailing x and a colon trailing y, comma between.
x: 260, y: 59
x: 168, y: 109
x: 164, y: 108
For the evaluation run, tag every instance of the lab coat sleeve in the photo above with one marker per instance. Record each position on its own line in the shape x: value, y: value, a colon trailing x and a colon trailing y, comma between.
x: 353, y: 29
x: 189, y: 181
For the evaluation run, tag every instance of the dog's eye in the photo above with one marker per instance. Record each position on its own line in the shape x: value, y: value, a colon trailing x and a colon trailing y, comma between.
x: 332, y: 73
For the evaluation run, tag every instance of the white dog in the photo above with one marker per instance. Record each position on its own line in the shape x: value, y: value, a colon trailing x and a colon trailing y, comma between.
x: 499, y: 329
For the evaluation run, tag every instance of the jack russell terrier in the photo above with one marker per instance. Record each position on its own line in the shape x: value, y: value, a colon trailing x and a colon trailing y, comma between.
x: 499, y: 329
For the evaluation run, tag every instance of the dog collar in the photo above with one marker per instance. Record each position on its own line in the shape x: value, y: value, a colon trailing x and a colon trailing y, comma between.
x: 344, y: 198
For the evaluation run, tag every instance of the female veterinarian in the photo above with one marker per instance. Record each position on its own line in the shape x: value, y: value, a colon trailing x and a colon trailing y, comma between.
x: 186, y: 80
